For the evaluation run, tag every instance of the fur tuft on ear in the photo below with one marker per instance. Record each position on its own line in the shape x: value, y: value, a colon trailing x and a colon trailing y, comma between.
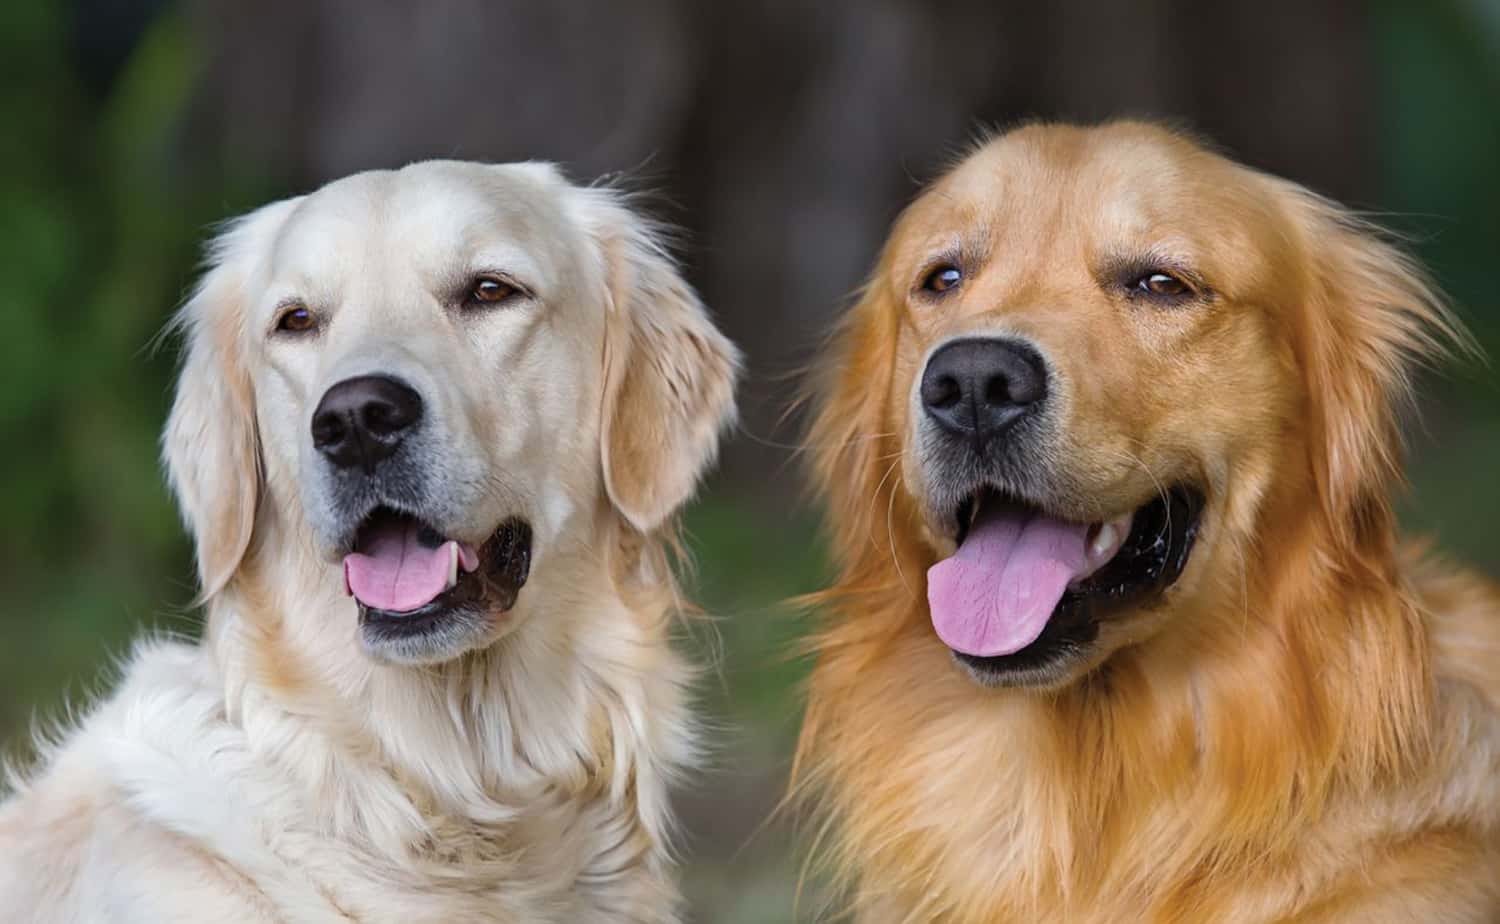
x: 210, y: 446
x: 669, y: 373
x: 1375, y: 318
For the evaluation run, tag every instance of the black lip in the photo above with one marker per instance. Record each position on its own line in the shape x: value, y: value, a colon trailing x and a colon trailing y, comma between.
x: 504, y: 566
x: 1150, y: 560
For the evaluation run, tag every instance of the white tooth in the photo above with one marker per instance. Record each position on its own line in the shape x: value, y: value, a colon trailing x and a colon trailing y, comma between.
x: 1104, y: 542
x: 452, y: 563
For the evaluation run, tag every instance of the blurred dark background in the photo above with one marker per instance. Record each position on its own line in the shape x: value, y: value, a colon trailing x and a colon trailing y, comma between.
x: 783, y: 137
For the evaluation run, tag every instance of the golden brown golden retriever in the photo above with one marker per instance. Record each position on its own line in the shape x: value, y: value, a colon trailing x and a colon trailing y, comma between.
x: 1122, y: 630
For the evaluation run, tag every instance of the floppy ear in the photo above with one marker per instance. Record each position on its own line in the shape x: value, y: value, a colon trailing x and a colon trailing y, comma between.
x: 210, y: 446
x: 851, y: 444
x: 669, y: 373
x: 1373, y: 318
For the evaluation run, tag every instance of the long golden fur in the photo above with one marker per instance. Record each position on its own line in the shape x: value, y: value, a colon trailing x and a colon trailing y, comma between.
x: 1303, y: 728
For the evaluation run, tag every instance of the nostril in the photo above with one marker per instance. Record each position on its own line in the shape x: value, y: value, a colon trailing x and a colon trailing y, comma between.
x: 328, y: 429
x: 941, y: 391
x: 391, y: 411
x: 380, y: 418
x: 997, y: 392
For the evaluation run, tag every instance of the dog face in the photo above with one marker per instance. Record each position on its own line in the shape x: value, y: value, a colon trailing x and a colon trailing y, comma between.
x: 1107, y: 354
x: 431, y: 378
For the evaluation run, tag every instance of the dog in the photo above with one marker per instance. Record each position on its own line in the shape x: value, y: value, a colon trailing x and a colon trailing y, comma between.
x: 1121, y: 629
x: 431, y: 434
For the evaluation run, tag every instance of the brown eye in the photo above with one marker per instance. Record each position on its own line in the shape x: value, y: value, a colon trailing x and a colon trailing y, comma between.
x: 490, y: 290
x: 1162, y: 285
x: 296, y: 319
x: 943, y: 278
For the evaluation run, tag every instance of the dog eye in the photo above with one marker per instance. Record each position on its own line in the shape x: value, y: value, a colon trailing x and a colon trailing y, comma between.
x: 296, y: 319
x: 490, y: 290
x: 1161, y: 285
x: 943, y: 278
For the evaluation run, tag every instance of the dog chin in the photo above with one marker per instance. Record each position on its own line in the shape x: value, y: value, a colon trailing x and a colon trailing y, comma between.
x: 431, y: 635
x: 1046, y: 672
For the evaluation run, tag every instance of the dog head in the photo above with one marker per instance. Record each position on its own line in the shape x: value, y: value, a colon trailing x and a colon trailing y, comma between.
x: 1091, y: 370
x: 431, y: 378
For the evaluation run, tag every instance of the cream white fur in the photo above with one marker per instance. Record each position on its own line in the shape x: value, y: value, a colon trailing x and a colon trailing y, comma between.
x: 276, y: 771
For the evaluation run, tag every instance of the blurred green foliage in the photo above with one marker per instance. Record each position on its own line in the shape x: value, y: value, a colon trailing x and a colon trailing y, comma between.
x: 100, y: 231
x: 100, y: 237
x: 1439, y: 95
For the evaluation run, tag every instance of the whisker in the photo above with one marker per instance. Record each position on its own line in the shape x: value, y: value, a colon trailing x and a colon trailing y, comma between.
x: 1161, y: 490
x: 889, y: 530
x: 890, y: 533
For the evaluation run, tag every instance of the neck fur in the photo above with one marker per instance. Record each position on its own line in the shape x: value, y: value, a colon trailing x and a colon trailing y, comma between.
x: 582, y: 702
x: 1300, y: 684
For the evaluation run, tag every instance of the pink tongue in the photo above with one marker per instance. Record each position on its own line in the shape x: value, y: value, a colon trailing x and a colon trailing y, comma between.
x: 398, y: 573
x: 994, y: 596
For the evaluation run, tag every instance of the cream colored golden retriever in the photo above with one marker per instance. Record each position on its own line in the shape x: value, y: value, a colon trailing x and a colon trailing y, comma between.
x: 1122, y: 630
x: 431, y: 433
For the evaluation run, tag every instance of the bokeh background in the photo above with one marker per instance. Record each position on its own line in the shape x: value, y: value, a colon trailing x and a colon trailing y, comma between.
x: 782, y: 135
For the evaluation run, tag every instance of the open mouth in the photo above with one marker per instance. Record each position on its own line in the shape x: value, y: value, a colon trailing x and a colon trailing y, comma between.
x: 409, y: 579
x: 1025, y: 588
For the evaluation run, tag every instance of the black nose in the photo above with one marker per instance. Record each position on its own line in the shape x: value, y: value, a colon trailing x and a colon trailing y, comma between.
x: 980, y: 387
x: 361, y: 421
